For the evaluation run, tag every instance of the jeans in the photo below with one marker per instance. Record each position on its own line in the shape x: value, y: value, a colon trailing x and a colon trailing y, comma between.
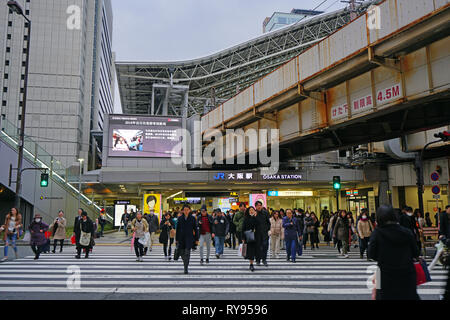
x: 61, y: 243
x: 275, y: 245
x: 363, y: 245
x: 125, y: 228
x: 11, y: 238
x: 291, y: 249
x: 138, y: 248
x: 220, y: 241
x: 205, y: 238
x: 263, y: 249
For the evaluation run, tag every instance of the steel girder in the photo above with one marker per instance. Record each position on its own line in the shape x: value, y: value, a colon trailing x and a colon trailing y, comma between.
x: 228, y: 71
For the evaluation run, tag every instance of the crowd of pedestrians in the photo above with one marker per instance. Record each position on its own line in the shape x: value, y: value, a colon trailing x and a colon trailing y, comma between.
x: 392, y: 238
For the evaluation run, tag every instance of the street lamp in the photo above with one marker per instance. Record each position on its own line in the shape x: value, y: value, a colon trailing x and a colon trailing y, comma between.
x: 15, y: 7
x: 79, y: 182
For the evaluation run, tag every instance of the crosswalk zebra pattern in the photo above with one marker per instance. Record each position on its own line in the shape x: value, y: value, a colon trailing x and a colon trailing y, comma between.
x: 113, y: 270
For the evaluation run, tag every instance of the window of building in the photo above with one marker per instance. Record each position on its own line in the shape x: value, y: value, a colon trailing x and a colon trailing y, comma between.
x: 282, y: 20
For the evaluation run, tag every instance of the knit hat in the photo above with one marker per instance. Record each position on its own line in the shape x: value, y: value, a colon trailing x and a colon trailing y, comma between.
x: 203, y: 208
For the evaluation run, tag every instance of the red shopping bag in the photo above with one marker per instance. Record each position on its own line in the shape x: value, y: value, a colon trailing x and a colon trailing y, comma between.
x: 73, y: 240
x: 47, y: 234
x: 132, y: 241
x: 420, y: 274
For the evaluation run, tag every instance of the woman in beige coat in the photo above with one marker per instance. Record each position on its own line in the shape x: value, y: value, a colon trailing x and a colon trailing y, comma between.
x: 58, y: 228
x: 276, y: 230
x: 365, y: 228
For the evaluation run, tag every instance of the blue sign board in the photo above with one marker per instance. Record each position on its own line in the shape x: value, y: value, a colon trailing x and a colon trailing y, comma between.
x: 436, y: 190
x: 435, y: 176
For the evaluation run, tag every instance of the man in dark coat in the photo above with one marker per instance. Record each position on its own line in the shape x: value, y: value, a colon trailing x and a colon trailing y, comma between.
x: 186, y: 235
x: 153, y: 226
x: 220, y: 229
x: 394, y: 248
x: 125, y: 219
x: 263, y: 219
x: 87, y: 226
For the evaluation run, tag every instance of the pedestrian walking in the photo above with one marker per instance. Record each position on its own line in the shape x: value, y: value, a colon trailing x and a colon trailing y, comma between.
x: 220, y: 228
x: 153, y: 224
x: 102, y: 222
x: 394, y: 248
x: 140, y: 227
x: 325, y: 214
x: 58, y: 228
x: 84, y: 235
x: 238, y: 221
x: 409, y: 221
x: 365, y: 229
x: 13, y: 225
x: 205, y: 222
x: 292, y: 235
x: 341, y: 233
x: 428, y: 221
x: 316, y: 230
x: 309, y: 231
x: 166, y: 238
x: 37, y: 229
x: 276, y: 229
x: 262, y: 232
x: 124, y: 220
x: 232, y: 230
x: 186, y: 235
x: 325, y: 231
x: 250, y: 240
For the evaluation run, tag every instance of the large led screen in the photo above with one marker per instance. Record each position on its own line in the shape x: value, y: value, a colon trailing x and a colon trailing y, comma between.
x: 146, y: 137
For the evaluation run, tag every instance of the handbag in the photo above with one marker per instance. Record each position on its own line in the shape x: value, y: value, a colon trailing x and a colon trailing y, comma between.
x: 299, y: 247
x: 178, y: 253
x: 172, y: 233
x: 249, y: 236
x: 85, y: 239
x: 239, y: 253
x: 144, y: 241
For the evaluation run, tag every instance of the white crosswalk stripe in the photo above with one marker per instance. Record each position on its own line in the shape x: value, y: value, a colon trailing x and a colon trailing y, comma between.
x: 114, y: 270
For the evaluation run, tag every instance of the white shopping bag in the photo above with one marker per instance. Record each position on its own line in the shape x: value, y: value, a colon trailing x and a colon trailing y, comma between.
x: 27, y: 237
x: 146, y: 240
x: 240, y: 250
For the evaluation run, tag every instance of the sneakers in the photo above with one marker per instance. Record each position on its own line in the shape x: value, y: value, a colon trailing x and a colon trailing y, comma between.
x: 53, y: 251
x: 17, y: 256
x: 346, y: 256
x: 218, y: 256
x: 166, y: 258
x: 4, y: 259
x: 288, y: 259
x: 293, y: 261
x: 201, y: 261
x: 141, y: 259
x: 138, y: 259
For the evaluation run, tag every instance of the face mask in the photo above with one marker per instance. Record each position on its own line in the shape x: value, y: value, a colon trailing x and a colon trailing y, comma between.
x: 409, y: 214
x: 307, y: 215
x: 364, y: 217
x: 37, y: 220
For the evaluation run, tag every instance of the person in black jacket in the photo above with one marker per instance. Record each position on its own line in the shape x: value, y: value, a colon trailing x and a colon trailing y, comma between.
x: 408, y: 220
x: 220, y: 229
x: 86, y: 225
x: 253, y: 247
x: 263, y: 218
x: 186, y: 235
x: 394, y: 248
x: 167, y: 224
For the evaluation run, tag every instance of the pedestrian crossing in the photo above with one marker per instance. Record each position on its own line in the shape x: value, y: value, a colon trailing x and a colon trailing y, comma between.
x: 113, y: 270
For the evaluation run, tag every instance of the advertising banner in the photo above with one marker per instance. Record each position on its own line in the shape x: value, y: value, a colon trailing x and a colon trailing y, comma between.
x: 258, y: 197
x: 153, y: 202
x: 149, y: 137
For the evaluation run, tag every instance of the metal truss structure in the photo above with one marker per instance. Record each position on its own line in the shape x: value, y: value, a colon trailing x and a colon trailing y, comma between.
x: 218, y: 77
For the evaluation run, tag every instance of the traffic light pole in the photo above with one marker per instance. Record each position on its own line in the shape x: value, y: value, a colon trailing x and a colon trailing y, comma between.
x: 337, y: 200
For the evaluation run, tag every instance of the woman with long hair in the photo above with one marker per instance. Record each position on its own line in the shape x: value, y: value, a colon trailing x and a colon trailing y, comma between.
x: 341, y: 233
x: 13, y: 224
x: 316, y: 230
x: 250, y: 225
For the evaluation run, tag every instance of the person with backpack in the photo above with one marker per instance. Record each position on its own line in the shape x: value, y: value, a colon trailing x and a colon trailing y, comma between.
x: 59, y: 231
x: 365, y: 229
x: 167, y: 235
x: 37, y: 229
x: 238, y: 220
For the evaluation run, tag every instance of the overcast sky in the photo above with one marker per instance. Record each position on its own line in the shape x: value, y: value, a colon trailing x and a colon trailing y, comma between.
x: 168, y: 30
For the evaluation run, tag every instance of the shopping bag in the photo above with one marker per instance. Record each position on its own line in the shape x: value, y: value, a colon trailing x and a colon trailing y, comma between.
x: 73, y: 240
x: 240, y: 250
x: 420, y: 274
x: 425, y: 270
x: 244, y: 250
x: 146, y: 240
x: 300, y: 248
x: 47, y: 234
x: 27, y: 236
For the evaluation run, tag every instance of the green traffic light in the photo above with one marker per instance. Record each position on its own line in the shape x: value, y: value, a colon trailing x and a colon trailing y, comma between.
x: 337, y: 186
x: 44, y: 180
